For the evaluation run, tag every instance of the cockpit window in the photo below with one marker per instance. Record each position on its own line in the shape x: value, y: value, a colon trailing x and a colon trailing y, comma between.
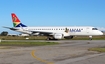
x: 94, y: 29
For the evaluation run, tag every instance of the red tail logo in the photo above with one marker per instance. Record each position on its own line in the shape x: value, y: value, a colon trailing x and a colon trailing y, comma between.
x: 14, y: 18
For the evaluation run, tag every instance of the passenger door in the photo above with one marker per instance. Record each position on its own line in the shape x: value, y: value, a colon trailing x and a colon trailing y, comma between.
x: 87, y: 30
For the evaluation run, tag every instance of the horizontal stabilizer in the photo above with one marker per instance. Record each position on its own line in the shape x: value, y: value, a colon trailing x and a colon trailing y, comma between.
x: 10, y: 28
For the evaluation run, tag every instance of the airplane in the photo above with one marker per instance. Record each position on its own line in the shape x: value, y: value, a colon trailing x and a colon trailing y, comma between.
x: 67, y: 32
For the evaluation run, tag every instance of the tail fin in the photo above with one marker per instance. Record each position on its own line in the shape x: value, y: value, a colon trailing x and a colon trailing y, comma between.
x: 16, y: 21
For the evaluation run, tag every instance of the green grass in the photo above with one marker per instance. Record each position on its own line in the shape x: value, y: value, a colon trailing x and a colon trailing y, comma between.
x: 44, y: 38
x: 97, y: 49
x: 26, y: 43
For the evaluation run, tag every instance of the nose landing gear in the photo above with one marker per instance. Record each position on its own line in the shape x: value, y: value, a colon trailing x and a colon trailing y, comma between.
x: 90, y: 37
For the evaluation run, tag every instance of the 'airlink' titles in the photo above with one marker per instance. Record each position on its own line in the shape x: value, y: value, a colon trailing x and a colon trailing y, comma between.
x: 75, y: 30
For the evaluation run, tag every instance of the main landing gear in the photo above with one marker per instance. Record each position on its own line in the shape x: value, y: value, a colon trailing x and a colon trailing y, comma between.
x: 48, y: 38
x: 51, y: 38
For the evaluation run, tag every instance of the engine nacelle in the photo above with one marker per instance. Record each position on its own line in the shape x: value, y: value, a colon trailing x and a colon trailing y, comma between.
x: 58, y: 36
x: 68, y: 37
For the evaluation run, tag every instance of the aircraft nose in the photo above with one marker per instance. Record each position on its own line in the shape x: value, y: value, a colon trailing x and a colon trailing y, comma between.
x: 101, y: 33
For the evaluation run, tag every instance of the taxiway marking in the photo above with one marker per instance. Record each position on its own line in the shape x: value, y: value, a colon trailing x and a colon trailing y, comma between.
x: 39, y: 59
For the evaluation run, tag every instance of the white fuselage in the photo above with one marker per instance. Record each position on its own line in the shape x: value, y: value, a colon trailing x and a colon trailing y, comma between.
x: 72, y: 31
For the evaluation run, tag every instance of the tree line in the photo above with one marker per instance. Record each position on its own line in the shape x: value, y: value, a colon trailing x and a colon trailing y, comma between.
x: 4, y: 33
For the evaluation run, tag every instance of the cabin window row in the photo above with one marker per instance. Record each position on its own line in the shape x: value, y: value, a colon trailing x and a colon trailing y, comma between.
x: 52, y: 29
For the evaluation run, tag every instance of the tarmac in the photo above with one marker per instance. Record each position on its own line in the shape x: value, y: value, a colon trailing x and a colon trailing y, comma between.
x: 67, y: 52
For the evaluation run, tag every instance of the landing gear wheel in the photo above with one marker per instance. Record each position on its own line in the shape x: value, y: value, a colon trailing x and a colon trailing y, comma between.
x: 90, y: 37
x: 48, y: 38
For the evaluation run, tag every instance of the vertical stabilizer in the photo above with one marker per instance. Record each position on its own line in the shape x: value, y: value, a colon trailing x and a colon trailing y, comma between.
x: 16, y: 21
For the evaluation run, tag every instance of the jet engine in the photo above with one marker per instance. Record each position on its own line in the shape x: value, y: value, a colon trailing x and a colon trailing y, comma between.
x: 58, y: 36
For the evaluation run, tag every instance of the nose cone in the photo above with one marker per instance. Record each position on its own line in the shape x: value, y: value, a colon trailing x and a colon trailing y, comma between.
x: 100, y: 33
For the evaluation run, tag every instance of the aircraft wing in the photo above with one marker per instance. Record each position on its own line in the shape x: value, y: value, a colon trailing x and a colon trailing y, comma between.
x: 10, y: 28
x: 42, y: 32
